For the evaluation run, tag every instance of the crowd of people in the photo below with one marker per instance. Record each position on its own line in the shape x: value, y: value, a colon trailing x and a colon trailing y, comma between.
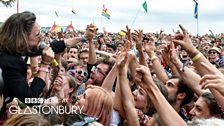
x: 114, y: 79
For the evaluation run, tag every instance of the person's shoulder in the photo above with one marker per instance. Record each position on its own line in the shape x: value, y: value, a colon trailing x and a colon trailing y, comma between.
x: 7, y: 59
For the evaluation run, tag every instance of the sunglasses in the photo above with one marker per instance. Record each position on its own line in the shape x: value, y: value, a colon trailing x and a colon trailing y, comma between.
x: 98, y: 70
x: 212, y: 52
x: 80, y: 72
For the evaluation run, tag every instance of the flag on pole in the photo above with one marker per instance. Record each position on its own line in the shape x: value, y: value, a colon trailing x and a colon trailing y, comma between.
x: 144, y: 5
x: 73, y: 11
x: 196, y: 10
x: 56, y: 13
x: 105, y: 13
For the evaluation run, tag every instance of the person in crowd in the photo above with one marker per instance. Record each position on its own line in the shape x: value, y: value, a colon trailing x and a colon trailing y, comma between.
x: 98, y: 103
x: 214, y: 56
x: 206, y: 107
x: 84, y: 56
x: 97, y: 71
x: 111, y: 48
x: 73, y: 52
x: 64, y: 86
x: 19, y: 41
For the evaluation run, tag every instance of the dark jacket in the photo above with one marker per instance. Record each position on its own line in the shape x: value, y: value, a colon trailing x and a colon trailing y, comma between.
x: 14, y: 70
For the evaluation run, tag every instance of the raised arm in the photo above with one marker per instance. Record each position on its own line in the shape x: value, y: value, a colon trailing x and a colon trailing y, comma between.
x: 110, y: 79
x: 138, y: 39
x: 214, y: 82
x: 91, y: 30
x: 196, y: 56
x: 190, y: 78
x: 199, y: 60
x: 156, y: 63
x: 166, y: 112
x: 127, y: 99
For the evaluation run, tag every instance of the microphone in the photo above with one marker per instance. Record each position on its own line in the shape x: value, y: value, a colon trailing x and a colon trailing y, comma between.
x: 41, y: 47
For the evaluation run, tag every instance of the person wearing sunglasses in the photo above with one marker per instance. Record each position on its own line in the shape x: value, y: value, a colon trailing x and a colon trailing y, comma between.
x: 214, y: 57
x: 80, y: 74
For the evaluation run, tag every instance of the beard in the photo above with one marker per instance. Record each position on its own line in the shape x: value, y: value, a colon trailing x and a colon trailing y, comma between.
x: 172, y: 99
x: 97, y: 82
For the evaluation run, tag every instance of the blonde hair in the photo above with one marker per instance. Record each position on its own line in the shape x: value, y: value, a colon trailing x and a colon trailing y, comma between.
x: 27, y: 119
x: 101, y: 104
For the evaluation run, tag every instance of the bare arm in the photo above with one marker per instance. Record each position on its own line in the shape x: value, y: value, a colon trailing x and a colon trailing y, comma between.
x: 158, y: 68
x: 138, y: 39
x: 118, y: 99
x: 168, y: 115
x: 126, y: 94
x: 110, y: 79
x: 156, y: 63
x: 190, y: 78
x: 90, y: 32
x: 213, y: 77
x: 73, y: 41
x: 185, y: 42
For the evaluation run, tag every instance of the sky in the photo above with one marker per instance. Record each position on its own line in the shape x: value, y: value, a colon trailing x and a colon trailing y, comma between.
x: 162, y: 14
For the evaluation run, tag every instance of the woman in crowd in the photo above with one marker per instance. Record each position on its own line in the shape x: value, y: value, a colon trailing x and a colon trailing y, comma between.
x: 97, y: 103
x: 206, y: 107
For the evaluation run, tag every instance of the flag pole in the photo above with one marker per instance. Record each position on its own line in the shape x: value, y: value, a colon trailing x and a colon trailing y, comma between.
x: 198, y: 21
x: 17, y: 7
x: 135, y: 17
x: 197, y: 27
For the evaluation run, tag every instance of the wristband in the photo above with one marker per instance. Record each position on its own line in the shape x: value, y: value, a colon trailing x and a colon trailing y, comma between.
x: 83, y: 39
x: 196, y: 57
x: 44, y: 69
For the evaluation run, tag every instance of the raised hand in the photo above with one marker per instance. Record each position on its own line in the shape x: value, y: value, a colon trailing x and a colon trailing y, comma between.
x: 213, y: 81
x: 47, y: 55
x: 90, y: 31
x: 150, y: 46
x: 143, y: 76
x: 138, y: 37
x: 173, y: 54
x: 128, y: 33
x: 123, y: 57
x: 184, y: 40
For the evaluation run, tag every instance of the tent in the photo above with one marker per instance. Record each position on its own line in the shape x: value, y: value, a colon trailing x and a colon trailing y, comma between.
x: 57, y: 28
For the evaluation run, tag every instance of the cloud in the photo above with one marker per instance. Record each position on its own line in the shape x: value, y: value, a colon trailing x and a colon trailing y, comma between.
x: 166, y: 14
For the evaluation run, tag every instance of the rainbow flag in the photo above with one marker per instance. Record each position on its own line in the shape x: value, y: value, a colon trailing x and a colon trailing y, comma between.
x: 196, y: 10
x: 104, y: 12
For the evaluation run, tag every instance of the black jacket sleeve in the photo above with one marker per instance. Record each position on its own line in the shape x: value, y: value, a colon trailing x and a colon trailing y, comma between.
x: 14, y: 72
x: 58, y: 46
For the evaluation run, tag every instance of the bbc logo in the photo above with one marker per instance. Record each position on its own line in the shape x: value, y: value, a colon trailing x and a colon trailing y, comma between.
x: 34, y: 100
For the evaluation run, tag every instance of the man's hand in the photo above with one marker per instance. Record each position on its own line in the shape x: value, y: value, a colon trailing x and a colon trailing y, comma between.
x: 184, y: 40
x: 90, y: 32
x: 138, y: 38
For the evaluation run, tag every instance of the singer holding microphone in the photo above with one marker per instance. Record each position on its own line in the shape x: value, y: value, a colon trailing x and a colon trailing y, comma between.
x: 19, y: 38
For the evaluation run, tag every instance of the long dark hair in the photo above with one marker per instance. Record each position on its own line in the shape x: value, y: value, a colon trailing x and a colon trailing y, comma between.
x: 15, y: 32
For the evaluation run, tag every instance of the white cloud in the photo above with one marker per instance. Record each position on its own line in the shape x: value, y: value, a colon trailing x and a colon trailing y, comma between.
x: 165, y: 14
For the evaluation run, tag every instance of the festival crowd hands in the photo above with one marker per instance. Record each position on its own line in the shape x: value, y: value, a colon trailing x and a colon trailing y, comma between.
x: 208, y: 77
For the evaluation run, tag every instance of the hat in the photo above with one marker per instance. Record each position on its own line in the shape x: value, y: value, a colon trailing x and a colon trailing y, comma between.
x: 215, y: 49
x: 112, y: 46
